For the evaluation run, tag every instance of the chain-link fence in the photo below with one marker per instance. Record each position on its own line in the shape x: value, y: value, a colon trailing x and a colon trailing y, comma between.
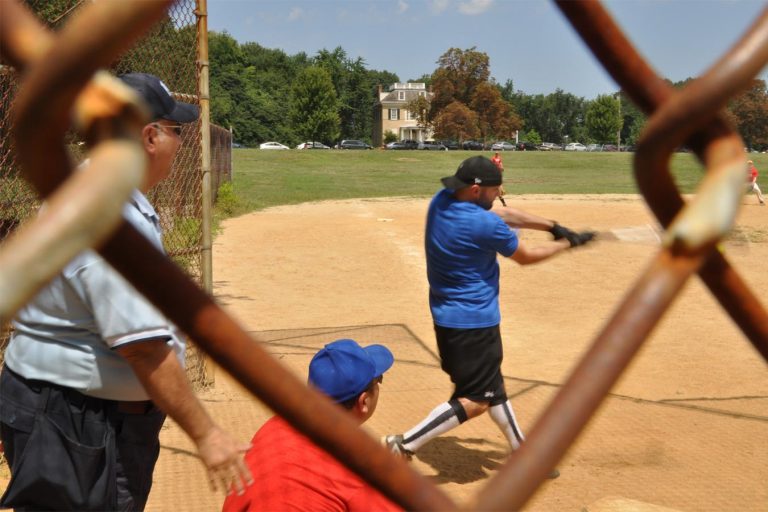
x: 169, y: 51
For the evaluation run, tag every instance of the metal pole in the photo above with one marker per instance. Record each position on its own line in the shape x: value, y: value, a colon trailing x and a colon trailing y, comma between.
x: 205, y: 158
x: 621, y: 124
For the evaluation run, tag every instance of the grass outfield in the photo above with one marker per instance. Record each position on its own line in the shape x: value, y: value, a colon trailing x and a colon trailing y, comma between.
x: 269, y: 178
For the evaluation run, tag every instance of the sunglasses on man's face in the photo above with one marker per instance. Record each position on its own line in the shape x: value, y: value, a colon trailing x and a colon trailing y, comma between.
x: 176, y: 128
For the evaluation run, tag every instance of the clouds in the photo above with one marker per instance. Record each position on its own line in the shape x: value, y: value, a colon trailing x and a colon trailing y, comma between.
x: 468, y: 7
x: 438, y: 6
x: 474, y: 7
x: 402, y: 6
x: 295, y: 13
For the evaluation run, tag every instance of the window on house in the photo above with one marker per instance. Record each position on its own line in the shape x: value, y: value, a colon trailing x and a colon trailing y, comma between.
x: 400, y: 95
x: 409, y: 115
x: 394, y: 114
x: 423, y: 94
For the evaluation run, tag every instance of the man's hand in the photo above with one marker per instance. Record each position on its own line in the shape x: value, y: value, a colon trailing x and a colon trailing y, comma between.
x: 223, y: 459
x: 577, y: 239
x: 162, y: 376
x: 559, y: 232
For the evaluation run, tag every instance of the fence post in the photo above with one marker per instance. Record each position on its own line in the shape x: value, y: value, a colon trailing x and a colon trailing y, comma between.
x: 205, y: 156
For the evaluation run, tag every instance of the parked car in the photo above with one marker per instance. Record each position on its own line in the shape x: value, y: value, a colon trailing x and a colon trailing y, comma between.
x: 472, y: 145
x: 630, y: 148
x: 527, y: 146
x: 312, y: 145
x: 575, y: 146
x: 610, y: 147
x: 273, y: 145
x: 502, y: 146
x: 432, y: 145
x: 410, y: 143
x: 550, y: 146
x: 354, y: 144
x: 450, y: 144
x: 398, y: 144
x: 594, y: 147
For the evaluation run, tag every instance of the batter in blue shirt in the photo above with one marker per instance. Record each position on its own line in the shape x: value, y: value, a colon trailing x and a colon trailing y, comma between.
x: 463, y: 237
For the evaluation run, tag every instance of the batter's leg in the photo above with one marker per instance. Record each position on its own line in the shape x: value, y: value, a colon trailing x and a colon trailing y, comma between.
x: 504, y: 416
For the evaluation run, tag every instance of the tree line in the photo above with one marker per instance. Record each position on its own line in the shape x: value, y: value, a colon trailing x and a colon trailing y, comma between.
x: 264, y: 94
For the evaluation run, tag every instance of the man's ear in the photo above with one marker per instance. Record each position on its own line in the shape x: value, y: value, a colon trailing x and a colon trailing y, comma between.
x: 149, y: 138
x: 363, y: 403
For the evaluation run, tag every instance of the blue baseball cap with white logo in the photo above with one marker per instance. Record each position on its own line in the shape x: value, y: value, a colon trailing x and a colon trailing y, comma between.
x: 343, y: 369
x: 159, y: 99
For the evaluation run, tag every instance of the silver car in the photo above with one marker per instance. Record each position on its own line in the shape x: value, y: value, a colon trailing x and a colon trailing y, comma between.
x: 503, y: 146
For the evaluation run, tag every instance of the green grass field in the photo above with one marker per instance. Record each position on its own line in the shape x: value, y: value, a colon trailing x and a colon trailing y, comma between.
x: 269, y: 178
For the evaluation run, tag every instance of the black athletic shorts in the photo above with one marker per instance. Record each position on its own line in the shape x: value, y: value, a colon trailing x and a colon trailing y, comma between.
x: 472, y: 358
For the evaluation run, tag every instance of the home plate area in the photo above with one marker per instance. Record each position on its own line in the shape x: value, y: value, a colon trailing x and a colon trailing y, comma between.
x: 634, y: 455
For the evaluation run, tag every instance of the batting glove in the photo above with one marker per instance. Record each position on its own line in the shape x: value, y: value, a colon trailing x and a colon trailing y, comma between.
x: 582, y: 238
x: 560, y: 232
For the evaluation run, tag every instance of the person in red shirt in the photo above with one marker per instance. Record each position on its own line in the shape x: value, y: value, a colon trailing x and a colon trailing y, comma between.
x: 293, y: 474
x: 752, y: 182
x: 497, y: 162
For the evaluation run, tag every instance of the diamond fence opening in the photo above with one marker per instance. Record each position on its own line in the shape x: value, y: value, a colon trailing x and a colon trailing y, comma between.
x: 169, y: 51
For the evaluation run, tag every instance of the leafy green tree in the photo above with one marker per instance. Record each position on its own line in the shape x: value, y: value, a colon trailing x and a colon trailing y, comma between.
x: 751, y: 112
x: 507, y: 91
x: 603, y: 120
x: 456, y: 121
x: 554, y: 116
x: 224, y: 51
x: 389, y: 136
x: 356, y: 113
x: 314, y: 106
x: 532, y: 136
x: 633, y: 121
x: 355, y: 88
x: 425, y: 79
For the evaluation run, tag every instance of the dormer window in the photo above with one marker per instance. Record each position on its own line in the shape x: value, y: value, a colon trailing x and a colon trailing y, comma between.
x: 400, y: 95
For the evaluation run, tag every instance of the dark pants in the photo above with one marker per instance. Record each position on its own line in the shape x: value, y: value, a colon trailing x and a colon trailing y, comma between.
x: 68, y: 451
x: 472, y: 358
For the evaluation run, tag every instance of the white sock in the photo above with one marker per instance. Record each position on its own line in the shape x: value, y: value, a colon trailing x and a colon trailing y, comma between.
x: 504, y: 417
x: 442, y: 419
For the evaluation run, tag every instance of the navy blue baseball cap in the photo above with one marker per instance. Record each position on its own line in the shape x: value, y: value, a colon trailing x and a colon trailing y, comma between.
x: 343, y: 369
x: 158, y: 98
x: 476, y: 170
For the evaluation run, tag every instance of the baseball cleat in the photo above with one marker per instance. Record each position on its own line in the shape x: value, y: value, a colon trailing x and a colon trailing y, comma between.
x: 395, y: 445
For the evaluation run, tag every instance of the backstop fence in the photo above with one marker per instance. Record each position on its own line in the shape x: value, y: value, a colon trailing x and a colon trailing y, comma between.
x: 693, y: 231
x: 169, y: 50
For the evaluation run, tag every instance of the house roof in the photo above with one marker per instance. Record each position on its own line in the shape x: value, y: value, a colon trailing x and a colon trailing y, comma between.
x: 392, y: 96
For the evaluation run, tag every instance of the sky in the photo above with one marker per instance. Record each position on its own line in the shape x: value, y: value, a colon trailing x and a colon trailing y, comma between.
x: 528, y: 41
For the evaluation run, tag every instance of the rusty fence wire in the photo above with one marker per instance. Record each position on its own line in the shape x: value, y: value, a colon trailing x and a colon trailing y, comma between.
x: 221, y: 158
x: 690, y: 243
x: 168, y: 50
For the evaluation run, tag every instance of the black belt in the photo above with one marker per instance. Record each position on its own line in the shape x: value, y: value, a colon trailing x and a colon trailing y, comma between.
x: 79, y: 399
x: 138, y: 407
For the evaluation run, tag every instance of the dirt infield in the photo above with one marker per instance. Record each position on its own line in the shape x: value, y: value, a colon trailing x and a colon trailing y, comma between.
x: 685, y: 428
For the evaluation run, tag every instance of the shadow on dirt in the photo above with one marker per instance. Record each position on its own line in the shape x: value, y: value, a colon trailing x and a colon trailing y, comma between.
x: 455, y: 462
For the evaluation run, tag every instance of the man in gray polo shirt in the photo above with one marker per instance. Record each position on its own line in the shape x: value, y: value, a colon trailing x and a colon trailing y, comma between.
x: 93, y: 367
